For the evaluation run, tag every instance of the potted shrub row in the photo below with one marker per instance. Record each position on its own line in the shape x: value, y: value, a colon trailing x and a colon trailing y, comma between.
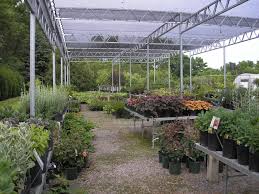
x: 238, y: 133
x: 177, y: 145
x: 71, y: 152
x: 166, y: 106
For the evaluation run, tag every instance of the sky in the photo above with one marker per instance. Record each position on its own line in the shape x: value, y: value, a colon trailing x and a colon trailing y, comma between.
x: 240, y: 52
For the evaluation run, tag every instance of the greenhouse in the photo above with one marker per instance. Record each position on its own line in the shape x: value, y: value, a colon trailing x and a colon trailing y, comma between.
x: 127, y: 96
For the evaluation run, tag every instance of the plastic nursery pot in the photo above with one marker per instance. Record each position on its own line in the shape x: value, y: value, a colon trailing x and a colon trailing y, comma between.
x: 175, y: 167
x: 229, y: 148
x: 165, y: 161
x: 71, y: 173
x: 254, y: 161
x: 204, y: 138
x: 36, y: 175
x: 187, y: 163
x: 242, y: 154
x: 194, y: 166
x: 160, y: 156
x: 213, y: 142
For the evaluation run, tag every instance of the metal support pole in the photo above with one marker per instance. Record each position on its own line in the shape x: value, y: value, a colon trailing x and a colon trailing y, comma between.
x: 32, y: 65
x: 65, y: 74
x: 190, y: 73
x: 154, y: 71
x: 181, y: 65
x: 130, y: 72
x: 61, y: 71
x: 112, y: 77
x: 225, y: 67
x: 169, y: 73
x: 147, y: 67
x: 54, y: 68
x: 119, y: 74
x: 69, y: 74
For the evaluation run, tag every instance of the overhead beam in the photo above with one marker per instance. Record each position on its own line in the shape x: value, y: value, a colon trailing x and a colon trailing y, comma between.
x: 195, y: 19
x: 111, y: 14
x: 228, y: 42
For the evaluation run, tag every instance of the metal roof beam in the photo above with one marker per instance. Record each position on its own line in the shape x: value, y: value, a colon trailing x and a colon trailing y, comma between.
x: 234, y: 40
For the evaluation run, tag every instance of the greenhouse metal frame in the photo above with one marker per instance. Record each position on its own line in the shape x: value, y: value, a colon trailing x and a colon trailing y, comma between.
x: 109, y: 34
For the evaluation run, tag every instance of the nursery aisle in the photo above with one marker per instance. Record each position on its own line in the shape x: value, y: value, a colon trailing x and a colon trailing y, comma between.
x: 125, y: 163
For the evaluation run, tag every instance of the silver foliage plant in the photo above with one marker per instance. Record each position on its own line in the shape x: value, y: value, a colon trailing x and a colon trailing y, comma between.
x: 16, y: 146
x: 48, y: 101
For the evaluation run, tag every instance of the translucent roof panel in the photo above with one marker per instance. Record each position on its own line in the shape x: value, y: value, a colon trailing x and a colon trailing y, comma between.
x: 101, y: 25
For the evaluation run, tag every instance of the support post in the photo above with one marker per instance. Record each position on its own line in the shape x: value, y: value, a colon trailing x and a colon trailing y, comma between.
x: 61, y: 71
x: 130, y: 72
x: 65, y: 74
x: 181, y: 65
x: 32, y: 65
x: 54, y: 68
x: 225, y: 67
x: 69, y: 74
x: 147, y: 67
x: 119, y: 74
x: 212, y: 169
x: 169, y: 73
x: 112, y: 76
x: 190, y: 73
x: 154, y: 71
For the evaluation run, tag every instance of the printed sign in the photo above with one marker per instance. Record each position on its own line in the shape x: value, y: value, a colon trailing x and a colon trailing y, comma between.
x: 214, y: 124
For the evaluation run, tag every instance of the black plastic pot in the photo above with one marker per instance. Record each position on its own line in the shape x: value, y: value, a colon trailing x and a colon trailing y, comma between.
x: 194, y: 166
x: 175, y: 167
x: 242, y: 154
x: 221, y: 167
x: 187, y: 163
x: 36, y: 175
x: 213, y: 142
x: 71, y: 173
x: 79, y: 169
x: 160, y: 155
x: 165, y: 161
x: 204, y: 138
x: 229, y: 148
x: 254, y: 161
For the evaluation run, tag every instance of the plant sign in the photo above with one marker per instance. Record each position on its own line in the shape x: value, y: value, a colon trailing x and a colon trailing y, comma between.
x: 214, y: 124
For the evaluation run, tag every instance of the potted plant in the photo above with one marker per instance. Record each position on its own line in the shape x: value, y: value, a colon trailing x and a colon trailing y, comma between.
x: 202, y: 123
x: 253, y: 143
x: 175, y: 156
x: 227, y: 130
x: 66, y: 157
x: 7, y: 175
x: 241, y: 136
x: 194, y: 160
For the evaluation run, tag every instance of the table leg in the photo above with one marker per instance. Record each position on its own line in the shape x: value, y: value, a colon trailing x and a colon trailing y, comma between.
x: 226, y: 181
x: 142, y: 127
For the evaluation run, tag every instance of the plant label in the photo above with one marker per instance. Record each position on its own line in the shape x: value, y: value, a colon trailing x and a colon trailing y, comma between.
x: 214, y: 124
x: 36, y: 155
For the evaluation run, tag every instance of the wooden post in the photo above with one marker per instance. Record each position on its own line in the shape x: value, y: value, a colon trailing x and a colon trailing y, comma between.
x: 212, y: 169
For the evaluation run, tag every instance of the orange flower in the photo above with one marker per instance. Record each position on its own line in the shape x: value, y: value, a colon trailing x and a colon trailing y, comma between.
x: 197, y: 105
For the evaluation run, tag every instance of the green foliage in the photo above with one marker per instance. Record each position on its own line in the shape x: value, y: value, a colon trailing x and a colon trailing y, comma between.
x: 6, y: 177
x: 48, y: 101
x: 40, y: 138
x: 16, y: 146
x: 76, y: 139
x: 11, y: 83
x: 108, y: 108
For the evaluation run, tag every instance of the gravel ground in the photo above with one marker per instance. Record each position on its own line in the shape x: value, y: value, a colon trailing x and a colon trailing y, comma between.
x: 125, y: 163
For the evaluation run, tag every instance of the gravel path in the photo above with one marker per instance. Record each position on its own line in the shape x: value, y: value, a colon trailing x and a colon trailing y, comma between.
x: 125, y: 163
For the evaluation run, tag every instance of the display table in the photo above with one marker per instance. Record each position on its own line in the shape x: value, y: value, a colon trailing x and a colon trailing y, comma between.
x: 155, y: 122
x: 232, y: 163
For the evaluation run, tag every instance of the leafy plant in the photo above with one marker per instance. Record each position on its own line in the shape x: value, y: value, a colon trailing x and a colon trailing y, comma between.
x: 39, y: 137
x: 16, y: 146
x: 6, y: 177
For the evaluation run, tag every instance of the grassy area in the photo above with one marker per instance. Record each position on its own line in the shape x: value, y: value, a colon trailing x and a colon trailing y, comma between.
x: 13, y: 102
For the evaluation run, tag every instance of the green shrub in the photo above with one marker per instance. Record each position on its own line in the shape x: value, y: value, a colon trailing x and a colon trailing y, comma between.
x: 6, y: 177
x: 11, y: 83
